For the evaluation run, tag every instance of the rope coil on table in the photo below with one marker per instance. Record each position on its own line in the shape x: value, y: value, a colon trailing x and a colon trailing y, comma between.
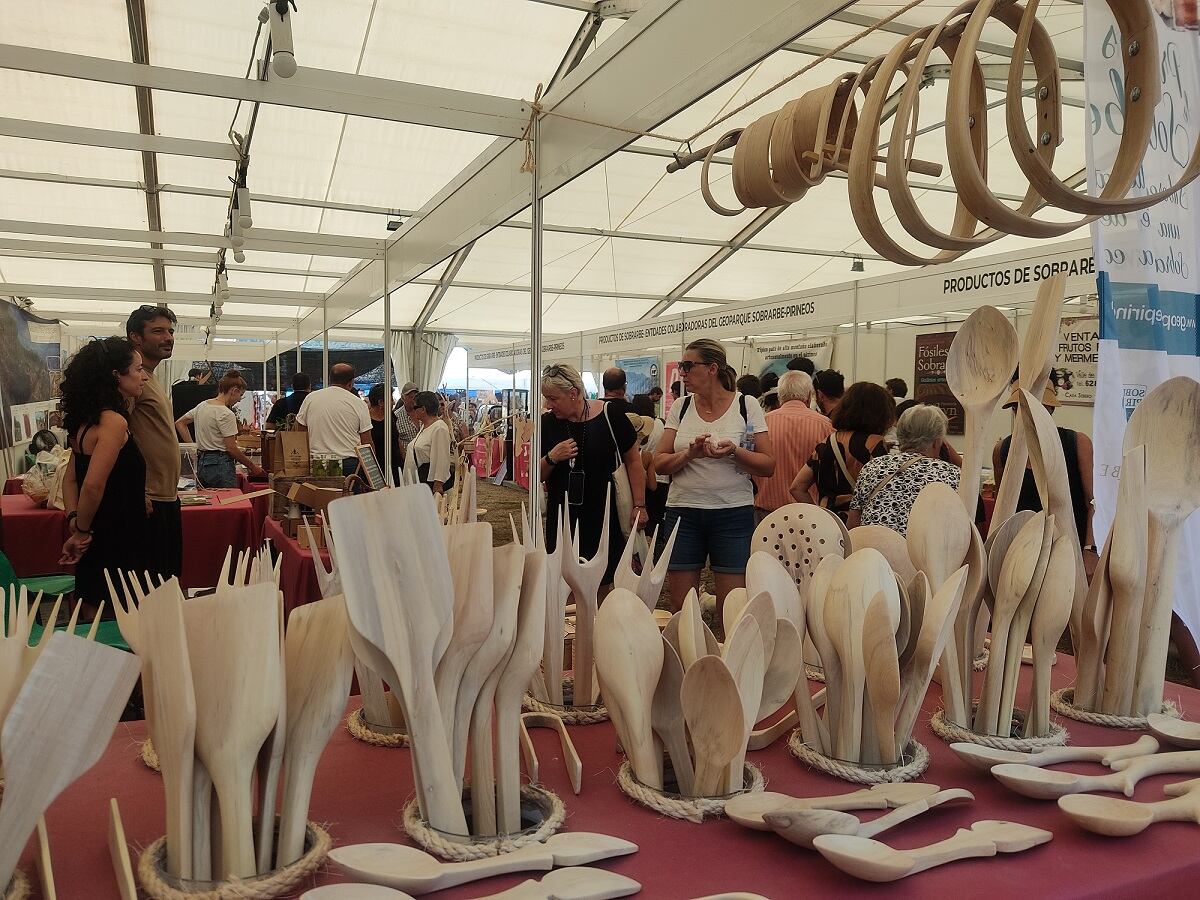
x: 915, y: 752
x: 1062, y: 703
x: 570, y: 715
x: 691, y: 809
x: 951, y: 734
x: 279, y: 883
x: 362, y: 730
x: 812, y: 673
x: 472, y: 847
x: 19, y: 887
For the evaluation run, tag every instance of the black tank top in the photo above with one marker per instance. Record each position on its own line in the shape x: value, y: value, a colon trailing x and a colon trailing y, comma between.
x: 1029, y: 498
x: 124, y: 499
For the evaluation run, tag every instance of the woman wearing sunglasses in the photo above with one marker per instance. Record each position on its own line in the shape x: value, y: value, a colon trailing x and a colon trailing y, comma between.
x: 585, y: 444
x: 715, y: 439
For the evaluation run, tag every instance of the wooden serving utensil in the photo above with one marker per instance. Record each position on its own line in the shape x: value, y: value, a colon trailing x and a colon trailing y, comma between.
x: 557, y: 591
x: 118, y: 851
x: 585, y: 577
x: 735, y: 602
x: 979, y: 365
x: 1115, y: 817
x: 1050, y: 618
x: 692, y: 643
x: 874, y: 861
x: 629, y: 660
x: 1167, y: 423
x: 1049, y: 784
x: 801, y: 826
x: 575, y: 883
x: 983, y: 758
x: 398, y: 595
x: 844, y: 611
x: 59, y: 725
x: 666, y: 718
x: 712, y: 708
x: 351, y: 891
x: 743, y: 654
x: 783, y: 671
x: 766, y: 574
x: 890, y: 543
x: 318, y: 662
x: 748, y: 810
x: 1174, y: 731
x: 762, y: 610
x: 883, y: 674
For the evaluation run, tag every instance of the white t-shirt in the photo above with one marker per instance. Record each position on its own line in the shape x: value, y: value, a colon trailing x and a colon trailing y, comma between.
x: 335, y: 419
x: 211, y: 424
x: 432, y: 446
x: 713, y: 483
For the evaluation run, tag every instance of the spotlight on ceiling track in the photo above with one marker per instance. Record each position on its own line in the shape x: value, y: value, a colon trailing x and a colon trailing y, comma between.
x: 857, y: 265
x: 239, y: 256
x: 394, y: 224
x: 243, y: 208
x: 283, y: 58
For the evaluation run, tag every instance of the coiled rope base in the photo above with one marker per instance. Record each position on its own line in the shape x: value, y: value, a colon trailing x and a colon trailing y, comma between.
x: 571, y: 715
x: 1062, y: 702
x: 280, y: 883
x: 915, y: 760
x: 677, y: 806
x: 150, y: 755
x: 814, y: 673
x: 952, y: 733
x: 543, y: 809
x: 362, y: 730
x: 19, y: 887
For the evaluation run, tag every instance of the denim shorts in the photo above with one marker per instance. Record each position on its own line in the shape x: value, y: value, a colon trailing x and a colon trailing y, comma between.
x: 216, y: 469
x: 718, y: 536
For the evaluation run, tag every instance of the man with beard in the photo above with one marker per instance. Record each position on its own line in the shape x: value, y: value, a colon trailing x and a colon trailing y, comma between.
x: 151, y: 330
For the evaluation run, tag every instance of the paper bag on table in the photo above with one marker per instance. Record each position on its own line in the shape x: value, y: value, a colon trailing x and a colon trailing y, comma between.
x: 291, y: 458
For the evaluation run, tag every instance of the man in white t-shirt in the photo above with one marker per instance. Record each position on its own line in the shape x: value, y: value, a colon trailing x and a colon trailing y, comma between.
x: 336, y: 418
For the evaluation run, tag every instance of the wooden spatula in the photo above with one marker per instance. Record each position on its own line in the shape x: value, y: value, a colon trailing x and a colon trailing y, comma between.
x: 58, y: 727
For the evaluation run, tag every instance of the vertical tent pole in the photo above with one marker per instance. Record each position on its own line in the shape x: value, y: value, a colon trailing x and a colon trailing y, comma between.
x: 324, y: 337
x: 854, y: 365
x: 535, y: 332
x: 278, y: 377
x: 388, y: 422
x: 299, y: 357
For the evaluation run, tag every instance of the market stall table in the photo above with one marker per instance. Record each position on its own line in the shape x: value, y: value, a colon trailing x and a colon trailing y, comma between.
x: 360, y: 791
x: 32, y: 536
x: 13, y: 485
x: 297, y: 578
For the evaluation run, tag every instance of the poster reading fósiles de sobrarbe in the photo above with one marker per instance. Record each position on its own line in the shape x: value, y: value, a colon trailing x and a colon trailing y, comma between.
x: 929, y: 377
x: 29, y: 346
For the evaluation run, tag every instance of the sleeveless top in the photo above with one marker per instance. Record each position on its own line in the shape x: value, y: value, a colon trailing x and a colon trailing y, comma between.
x: 124, y: 500
x: 1029, y: 498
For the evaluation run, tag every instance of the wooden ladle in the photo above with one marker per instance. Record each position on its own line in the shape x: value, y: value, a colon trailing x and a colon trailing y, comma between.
x: 983, y: 758
x: 1174, y: 731
x: 749, y: 809
x: 1048, y: 784
x: 712, y: 708
x: 1115, y: 817
x: 801, y: 826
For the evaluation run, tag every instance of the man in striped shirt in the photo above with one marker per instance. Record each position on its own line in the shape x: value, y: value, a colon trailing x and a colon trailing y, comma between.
x: 795, y: 432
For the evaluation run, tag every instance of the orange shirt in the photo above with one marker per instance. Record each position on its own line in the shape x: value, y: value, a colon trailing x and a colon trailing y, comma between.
x: 795, y: 431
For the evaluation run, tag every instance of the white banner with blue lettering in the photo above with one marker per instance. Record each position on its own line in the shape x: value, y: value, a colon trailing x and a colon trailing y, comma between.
x: 1149, y: 276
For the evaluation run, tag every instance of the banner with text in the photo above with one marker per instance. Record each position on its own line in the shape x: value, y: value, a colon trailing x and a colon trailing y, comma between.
x: 1075, y: 360
x: 929, y: 376
x: 773, y: 356
x: 515, y: 357
x: 1148, y: 276
x: 641, y: 374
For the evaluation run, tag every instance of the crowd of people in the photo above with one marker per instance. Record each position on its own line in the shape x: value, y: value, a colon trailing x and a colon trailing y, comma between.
x: 732, y: 450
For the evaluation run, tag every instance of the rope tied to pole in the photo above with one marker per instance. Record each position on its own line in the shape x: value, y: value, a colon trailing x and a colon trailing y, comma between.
x: 535, y: 110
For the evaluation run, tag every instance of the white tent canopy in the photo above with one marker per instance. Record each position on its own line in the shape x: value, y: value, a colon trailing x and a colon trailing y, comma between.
x: 80, y: 232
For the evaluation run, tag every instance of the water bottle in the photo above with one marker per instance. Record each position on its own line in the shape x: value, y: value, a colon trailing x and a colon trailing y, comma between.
x: 747, y: 442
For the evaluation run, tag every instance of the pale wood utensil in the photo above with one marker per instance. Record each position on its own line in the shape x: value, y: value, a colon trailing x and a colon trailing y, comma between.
x: 237, y: 673
x: 748, y: 810
x: 735, y: 601
x: 762, y: 610
x: 58, y: 726
x: 585, y: 578
x: 557, y: 591
x: 648, y: 584
x: 843, y: 617
x: 1016, y: 577
x: 1049, y: 784
x: 1123, y: 573
x: 874, y: 861
x: 998, y: 541
x: 937, y: 627
x: 629, y: 660
x: 743, y: 654
x: 712, y: 708
x: 522, y: 662
x: 576, y: 883
x: 983, y: 758
x: 45, y: 865
x: 765, y: 573
x: 170, y: 696
x: 692, y: 642
x: 118, y: 851
x: 800, y: 826
x: 396, y: 559
x: 890, y: 543
x: 319, y: 662
x: 350, y: 891
x: 784, y: 670
x: 916, y: 595
x: 666, y: 718
x: 1167, y: 423
x: 883, y: 675
x: 970, y: 633
x: 818, y: 632
x: 570, y: 755
x: 1018, y: 631
x: 979, y: 365
x: 1094, y: 637
x: 1115, y: 817
x: 1050, y: 618
x: 1174, y: 731
x: 1037, y: 350
x: 270, y: 758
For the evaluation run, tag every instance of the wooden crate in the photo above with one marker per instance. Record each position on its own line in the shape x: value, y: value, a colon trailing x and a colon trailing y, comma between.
x: 281, y: 485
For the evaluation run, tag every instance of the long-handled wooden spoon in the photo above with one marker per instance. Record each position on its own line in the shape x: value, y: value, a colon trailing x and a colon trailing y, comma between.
x: 748, y: 810
x: 712, y: 708
x: 743, y: 653
x: 800, y: 826
x: 1018, y: 631
x: 1115, y: 817
x: 692, y: 643
x: 666, y: 718
x: 883, y: 675
x: 575, y: 883
x: 1049, y: 784
x: 1050, y: 618
x: 983, y: 758
x: 1177, y: 732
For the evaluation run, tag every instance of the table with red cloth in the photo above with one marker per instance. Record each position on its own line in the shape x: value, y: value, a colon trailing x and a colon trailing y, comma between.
x: 360, y: 791
x: 13, y: 485
x: 297, y: 578
x: 33, y: 537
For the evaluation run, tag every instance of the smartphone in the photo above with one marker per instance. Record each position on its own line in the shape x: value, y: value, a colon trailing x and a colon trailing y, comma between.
x: 575, y: 482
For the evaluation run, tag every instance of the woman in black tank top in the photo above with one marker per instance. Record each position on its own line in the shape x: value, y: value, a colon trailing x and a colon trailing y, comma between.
x: 105, y: 487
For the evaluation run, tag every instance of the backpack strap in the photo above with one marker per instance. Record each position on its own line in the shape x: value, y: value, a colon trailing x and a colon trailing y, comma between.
x: 686, y: 401
x: 841, y: 460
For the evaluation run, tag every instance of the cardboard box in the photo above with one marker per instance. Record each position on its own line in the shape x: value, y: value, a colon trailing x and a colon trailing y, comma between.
x: 332, y: 488
x: 318, y: 533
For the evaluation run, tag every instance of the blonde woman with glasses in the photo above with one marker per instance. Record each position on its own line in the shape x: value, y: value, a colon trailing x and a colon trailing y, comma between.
x: 715, y: 439
x: 583, y: 445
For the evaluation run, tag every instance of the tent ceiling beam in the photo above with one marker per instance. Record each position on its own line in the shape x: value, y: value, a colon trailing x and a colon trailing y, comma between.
x: 117, y: 140
x: 442, y: 285
x: 242, y: 295
x: 139, y: 48
x: 904, y: 29
x: 317, y: 89
x: 714, y: 262
x: 76, y: 319
x: 640, y: 76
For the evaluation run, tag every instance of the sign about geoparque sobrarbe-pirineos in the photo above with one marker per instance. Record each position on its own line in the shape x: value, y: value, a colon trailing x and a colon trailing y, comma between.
x: 1149, y: 280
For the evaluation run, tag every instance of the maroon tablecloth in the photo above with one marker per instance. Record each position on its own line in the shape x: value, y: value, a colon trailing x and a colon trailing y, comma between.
x: 360, y: 791
x: 33, y: 536
x: 297, y: 578
x: 13, y: 485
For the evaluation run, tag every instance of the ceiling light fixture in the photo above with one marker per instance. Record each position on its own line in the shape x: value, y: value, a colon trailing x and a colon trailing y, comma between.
x: 283, y: 57
x: 394, y: 224
x: 242, y: 205
x: 857, y: 265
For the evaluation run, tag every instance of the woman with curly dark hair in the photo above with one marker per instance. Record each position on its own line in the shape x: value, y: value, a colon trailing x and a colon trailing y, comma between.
x: 105, y: 487
x: 860, y: 420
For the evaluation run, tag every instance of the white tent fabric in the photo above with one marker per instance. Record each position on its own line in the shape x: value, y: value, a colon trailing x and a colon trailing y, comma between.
x: 421, y: 358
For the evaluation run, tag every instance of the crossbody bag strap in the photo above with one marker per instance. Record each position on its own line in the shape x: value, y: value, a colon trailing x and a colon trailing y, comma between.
x: 616, y: 448
x: 879, y: 487
x: 841, y: 460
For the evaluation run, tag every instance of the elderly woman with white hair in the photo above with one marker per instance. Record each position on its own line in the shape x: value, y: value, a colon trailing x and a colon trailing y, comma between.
x: 888, y: 486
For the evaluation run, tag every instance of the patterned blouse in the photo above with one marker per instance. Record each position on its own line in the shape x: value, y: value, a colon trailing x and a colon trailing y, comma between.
x: 891, y: 505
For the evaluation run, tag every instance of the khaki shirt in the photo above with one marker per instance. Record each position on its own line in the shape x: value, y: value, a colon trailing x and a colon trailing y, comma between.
x: 153, y: 430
